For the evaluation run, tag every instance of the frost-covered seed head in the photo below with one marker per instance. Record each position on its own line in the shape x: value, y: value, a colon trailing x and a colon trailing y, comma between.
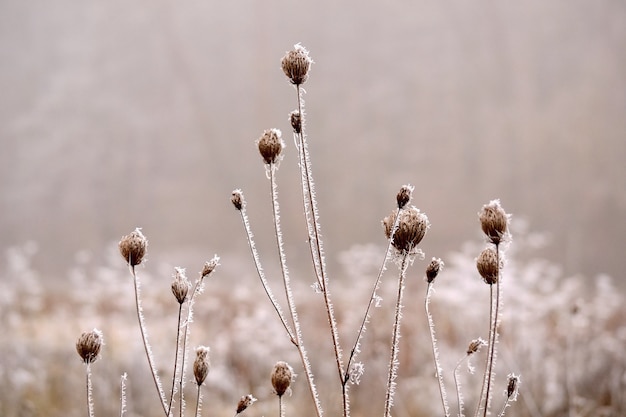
x: 89, y: 345
x: 245, y: 402
x: 209, y: 266
x: 296, y: 121
x: 180, y: 285
x: 494, y: 221
x: 404, y: 195
x: 296, y: 64
x: 282, y: 376
x: 487, y: 265
x: 512, y: 387
x: 434, y: 267
x: 271, y: 145
x: 237, y: 199
x: 202, y: 364
x: 133, y: 247
x: 411, y: 228
x: 475, y: 346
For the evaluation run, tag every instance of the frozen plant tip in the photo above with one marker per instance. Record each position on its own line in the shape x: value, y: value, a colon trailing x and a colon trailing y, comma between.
x: 411, y: 229
x: 270, y: 146
x: 202, y: 364
x: 180, y: 285
x: 282, y: 376
x: 89, y: 345
x: 296, y: 121
x: 487, y: 265
x: 404, y: 196
x: 209, y: 266
x: 432, y: 270
x: 494, y: 221
x: 296, y: 64
x: 245, y: 402
x: 133, y: 247
x: 237, y: 199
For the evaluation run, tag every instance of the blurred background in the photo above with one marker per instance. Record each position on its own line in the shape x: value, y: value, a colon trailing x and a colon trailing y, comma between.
x: 116, y: 115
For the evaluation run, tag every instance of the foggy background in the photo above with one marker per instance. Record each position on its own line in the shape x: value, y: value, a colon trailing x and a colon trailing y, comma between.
x: 117, y: 114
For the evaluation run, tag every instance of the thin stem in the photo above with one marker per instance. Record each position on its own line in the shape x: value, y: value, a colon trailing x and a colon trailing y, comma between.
x: 494, y: 331
x: 198, y: 401
x: 433, y: 339
x: 459, y: 395
x: 487, y: 361
x: 288, y: 293
x: 395, y: 347
x: 89, y: 391
x: 123, y: 395
x: 169, y: 408
x: 146, y: 345
x: 281, y: 411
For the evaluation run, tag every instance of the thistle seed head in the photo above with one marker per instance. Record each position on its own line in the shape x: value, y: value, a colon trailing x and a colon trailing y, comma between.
x: 296, y: 64
x: 411, y: 229
x: 404, y: 195
x: 202, y: 364
x: 133, y: 247
x: 89, y: 345
x: 487, y: 265
x: 209, y: 266
x: 494, y: 221
x: 237, y: 199
x: 434, y: 267
x: 180, y: 285
x: 296, y: 121
x: 271, y: 145
x: 245, y: 402
x: 282, y: 376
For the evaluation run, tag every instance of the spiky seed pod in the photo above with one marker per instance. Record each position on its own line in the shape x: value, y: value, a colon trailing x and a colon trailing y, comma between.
x: 296, y: 121
x: 271, y: 145
x: 404, y: 195
x: 487, y: 265
x: 411, y: 228
x: 282, y: 376
x: 475, y: 346
x: 202, y: 364
x: 237, y: 199
x: 494, y: 221
x: 245, y: 402
x: 296, y: 64
x: 512, y: 387
x: 434, y: 267
x: 180, y: 285
x: 89, y: 345
x: 133, y: 247
x: 209, y: 266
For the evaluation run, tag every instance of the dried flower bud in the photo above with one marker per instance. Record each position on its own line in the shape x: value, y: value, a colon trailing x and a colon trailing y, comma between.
x: 180, y: 285
x: 434, y: 267
x: 202, y: 364
x: 271, y: 145
x: 404, y: 195
x: 245, y: 402
x: 133, y: 247
x: 512, y: 387
x: 487, y: 265
x: 296, y: 121
x: 89, y: 345
x: 475, y: 346
x: 237, y: 199
x: 411, y: 228
x: 282, y: 376
x: 296, y: 64
x: 494, y: 221
x: 209, y: 266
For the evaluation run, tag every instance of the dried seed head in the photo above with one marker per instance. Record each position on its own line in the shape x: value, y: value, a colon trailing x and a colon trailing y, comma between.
x: 237, y: 199
x: 296, y: 64
x: 411, y: 228
x: 282, y: 376
x: 494, y: 221
x: 512, y: 387
x: 180, y: 285
x: 434, y: 267
x: 487, y: 265
x: 89, y: 345
x: 475, y: 346
x: 202, y: 364
x: 133, y: 247
x: 404, y: 195
x: 296, y: 121
x: 270, y: 146
x: 245, y: 402
x: 209, y: 266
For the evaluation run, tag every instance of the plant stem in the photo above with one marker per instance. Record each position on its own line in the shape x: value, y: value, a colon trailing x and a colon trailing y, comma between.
x: 198, y: 401
x: 438, y: 370
x: 172, y: 393
x: 90, y: 412
x: 459, y: 395
x: 494, y: 341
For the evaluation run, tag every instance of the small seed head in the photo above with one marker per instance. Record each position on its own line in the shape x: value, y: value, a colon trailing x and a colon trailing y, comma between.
x: 237, y: 199
x: 475, y: 346
x: 180, y: 285
x: 271, y: 145
x: 296, y: 121
x: 411, y: 228
x: 133, y: 247
x: 202, y: 364
x: 296, y: 64
x: 494, y: 221
x: 89, y: 345
x: 404, y: 195
x: 512, y: 387
x: 487, y: 265
x: 209, y: 266
x: 282, y: 376
x: 245, y: 402
x: 434, y: 267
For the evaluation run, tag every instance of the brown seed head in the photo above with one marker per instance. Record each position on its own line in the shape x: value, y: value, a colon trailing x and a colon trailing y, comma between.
x: 245, y: 402
x: 404, y: 195
x: 202, y: 364
x: 209, y: 266
x: 89, y: 345
x: 296, y: 64
x: 434, y: 267
x: 487, y: 265
x: 271, y: 145
x: 237, y: 199
x: 494, y: 221
x: 282, y: 376
x: 411, y: 228
x: 475, y: 346
x: 133, y: 247
x: 180, y: 285
x: 512, y: 387
x: 296, y: 121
